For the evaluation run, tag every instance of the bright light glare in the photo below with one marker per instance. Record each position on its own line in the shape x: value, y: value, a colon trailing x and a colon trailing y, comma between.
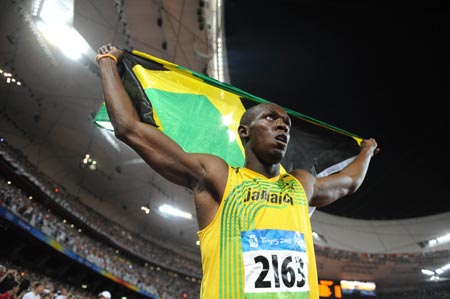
x: 438, y: 241
x: 427, y: 272
x: 227, y: 119
x: 66, y: 38
x: 56, y: 25
x: 434, y: 278
x: 443, y: 269
x: 73, y: 44
x: 444, y: 239
x: 169, y: 210
x: 145, y: 209
x: 57, y: 12
x: 231, y: 136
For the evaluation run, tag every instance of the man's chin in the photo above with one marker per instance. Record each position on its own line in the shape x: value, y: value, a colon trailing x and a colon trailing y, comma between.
x: 278, y: 155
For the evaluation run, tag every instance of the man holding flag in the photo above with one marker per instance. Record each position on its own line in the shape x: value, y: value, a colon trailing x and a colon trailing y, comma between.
x: 254, y: 227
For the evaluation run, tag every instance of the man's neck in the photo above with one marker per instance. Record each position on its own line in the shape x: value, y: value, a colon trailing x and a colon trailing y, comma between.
x: 269, y: 171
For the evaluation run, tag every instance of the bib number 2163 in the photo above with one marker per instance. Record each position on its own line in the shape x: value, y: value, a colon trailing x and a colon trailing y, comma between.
x: 289, y: 273
x: 275, y: 262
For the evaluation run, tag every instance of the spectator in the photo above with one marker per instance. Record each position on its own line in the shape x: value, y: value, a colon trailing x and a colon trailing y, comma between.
x: 12, y: 288
x: 7, y: 278
x: 38, y: 289
x: 104, y: 295
x: 62, y: 294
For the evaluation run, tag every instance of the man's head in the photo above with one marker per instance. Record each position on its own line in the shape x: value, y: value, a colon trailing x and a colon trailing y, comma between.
x: 264, y: 132
x: 38, y: 287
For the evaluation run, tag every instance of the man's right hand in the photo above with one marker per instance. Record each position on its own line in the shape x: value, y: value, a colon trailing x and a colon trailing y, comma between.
x: 109, y: 49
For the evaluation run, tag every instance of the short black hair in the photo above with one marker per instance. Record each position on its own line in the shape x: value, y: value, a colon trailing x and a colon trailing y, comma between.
x: 38, y: 283
x: 250, y: 114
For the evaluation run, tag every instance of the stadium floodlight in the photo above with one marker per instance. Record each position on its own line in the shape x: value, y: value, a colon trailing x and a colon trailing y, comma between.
x: 443, y: 269
x: 435, y: 242
x: 319, y: 237
x: 172, y: 211
x: 428, y: 272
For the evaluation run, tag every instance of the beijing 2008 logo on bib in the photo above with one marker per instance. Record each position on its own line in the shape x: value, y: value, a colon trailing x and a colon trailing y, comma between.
x: 275, y: 264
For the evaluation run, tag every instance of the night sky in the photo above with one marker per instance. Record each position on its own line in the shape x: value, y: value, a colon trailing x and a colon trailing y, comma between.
x: 374, y: 70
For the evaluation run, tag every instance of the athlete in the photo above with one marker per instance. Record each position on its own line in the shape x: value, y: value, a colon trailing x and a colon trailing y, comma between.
x: 254, y: 227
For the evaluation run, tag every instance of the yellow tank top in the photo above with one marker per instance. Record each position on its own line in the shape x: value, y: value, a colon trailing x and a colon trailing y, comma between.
x: 259, y: 244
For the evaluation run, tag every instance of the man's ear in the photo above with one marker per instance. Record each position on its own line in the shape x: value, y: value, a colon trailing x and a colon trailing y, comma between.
x: 243, y: 131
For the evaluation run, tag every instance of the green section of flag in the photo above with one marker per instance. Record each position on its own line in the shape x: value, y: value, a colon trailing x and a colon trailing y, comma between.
x: 179, y: 115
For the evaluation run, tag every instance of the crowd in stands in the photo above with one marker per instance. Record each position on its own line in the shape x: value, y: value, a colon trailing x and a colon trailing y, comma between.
x: 164, y: 273
x: 22, y: 280
x: 154, y: 279
x: 134, y: 242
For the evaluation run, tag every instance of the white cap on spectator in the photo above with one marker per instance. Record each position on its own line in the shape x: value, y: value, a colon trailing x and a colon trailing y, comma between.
x: 105, y: 294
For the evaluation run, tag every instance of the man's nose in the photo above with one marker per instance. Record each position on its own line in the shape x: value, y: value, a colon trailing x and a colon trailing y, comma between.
x: 281, y: 125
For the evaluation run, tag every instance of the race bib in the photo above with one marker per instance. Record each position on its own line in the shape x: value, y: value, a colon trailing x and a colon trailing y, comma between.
x: 275, y: 264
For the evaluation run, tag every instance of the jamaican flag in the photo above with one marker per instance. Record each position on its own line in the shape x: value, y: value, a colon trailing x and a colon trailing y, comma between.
x: 202, y: 115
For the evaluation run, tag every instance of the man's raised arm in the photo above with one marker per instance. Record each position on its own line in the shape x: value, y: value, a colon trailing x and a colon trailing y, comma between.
x: 159, y: 151
x: 325, y: 190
